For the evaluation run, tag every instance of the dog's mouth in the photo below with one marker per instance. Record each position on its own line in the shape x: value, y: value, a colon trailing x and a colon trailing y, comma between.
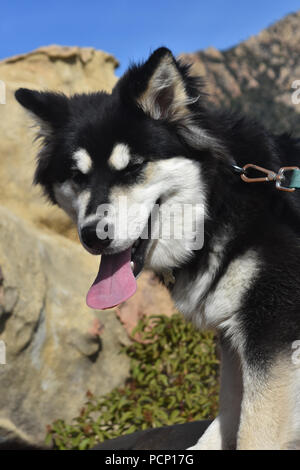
x: 116, y: 279
x: 138, y: 255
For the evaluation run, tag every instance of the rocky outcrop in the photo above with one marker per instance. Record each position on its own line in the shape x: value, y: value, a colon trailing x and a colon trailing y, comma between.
x: 256, y: 76
x: 56, y: 347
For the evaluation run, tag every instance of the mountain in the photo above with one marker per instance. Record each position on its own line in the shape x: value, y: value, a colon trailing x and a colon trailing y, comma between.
x: 256, y: 76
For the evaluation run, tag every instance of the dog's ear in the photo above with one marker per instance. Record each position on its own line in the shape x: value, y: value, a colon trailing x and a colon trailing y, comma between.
x: 49, y: 110
x: 158, y: 87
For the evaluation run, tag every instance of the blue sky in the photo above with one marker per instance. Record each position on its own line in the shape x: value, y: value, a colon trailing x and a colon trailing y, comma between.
x: 131, y: 29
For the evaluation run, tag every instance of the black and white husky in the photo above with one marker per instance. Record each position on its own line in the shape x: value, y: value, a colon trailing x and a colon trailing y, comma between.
x: 157, y: 142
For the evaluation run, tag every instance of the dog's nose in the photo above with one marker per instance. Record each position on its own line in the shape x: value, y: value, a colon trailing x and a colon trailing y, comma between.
x: 91, y: 240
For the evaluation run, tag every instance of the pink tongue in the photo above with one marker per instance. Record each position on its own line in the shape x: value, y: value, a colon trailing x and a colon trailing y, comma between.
x: 114, y: 283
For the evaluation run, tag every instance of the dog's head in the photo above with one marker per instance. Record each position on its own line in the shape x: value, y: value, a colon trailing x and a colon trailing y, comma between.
x: 110, y: 160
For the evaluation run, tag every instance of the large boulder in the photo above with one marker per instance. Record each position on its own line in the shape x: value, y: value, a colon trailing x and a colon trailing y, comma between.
x: 56, y: 348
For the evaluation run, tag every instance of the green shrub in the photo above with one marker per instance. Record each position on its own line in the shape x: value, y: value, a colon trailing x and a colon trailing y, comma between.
x: 173, y: 379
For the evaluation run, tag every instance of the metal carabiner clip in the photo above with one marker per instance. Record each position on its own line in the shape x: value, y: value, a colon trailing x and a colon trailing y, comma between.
x: 281, y: 176
x: 271, y: 175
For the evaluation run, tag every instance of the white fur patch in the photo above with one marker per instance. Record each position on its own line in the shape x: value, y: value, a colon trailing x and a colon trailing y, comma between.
x: 211, y: 439
x: 218, y: 308
x: 82, y: 203
x: 226, y: 299
x: 119, y: 157
x: 295, y: 425
x: 71, y: 202
x: 188, y: 293
x: 176, y: 181
x: 74, y: 204
x: 82, y: 161
x: 66, y: 198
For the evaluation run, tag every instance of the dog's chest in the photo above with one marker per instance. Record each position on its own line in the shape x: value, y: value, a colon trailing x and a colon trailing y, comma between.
x: 214, y: 307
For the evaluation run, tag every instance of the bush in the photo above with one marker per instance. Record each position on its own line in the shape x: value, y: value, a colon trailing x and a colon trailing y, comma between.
x: 173, y: 379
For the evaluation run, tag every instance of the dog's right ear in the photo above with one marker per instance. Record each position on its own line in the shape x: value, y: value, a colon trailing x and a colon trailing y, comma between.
x: 49, y: 110
x: 161, y: 87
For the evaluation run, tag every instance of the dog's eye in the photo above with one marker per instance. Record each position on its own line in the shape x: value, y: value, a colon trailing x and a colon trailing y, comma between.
x: 78, y: 177
x: 136, y: 166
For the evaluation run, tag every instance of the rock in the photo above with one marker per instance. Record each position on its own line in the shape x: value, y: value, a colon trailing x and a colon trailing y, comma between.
x: 56, y: 347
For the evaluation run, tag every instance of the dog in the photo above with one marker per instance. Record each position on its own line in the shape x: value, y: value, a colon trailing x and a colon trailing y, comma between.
x: 157, y: 142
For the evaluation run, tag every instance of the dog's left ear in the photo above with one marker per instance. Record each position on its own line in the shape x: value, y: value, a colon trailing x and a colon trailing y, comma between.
x: 49, y: 110
x: 158, y: 87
